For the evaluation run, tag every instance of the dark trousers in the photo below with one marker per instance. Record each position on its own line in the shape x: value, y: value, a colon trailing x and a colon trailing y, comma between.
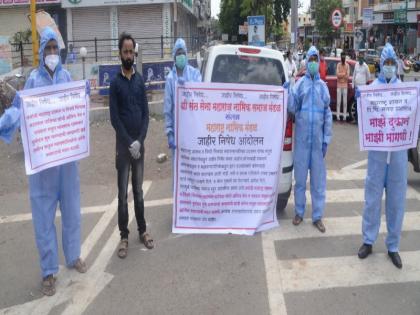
x: 124, y: 162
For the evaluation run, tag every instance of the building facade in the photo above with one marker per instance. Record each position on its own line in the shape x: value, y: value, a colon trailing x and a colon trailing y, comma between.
x: 96, y: 24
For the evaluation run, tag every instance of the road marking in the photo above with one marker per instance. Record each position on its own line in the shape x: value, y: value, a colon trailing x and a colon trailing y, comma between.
x: 351, y: 195
x: 303, y: 275
x: 80, y: 299
x: 342, y: 226
x: 158, y: 202
x: 86, y: 210
x: 355, y: 165
x: 28, y: 216
x: 102, y: 224
x: 346, y: 175
x: 73, y: 287
x: 273, y: 277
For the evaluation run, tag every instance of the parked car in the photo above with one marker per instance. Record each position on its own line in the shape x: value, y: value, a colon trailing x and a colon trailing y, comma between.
x: 254, y: 65
x: 414, y: 156
x: 332, y: 85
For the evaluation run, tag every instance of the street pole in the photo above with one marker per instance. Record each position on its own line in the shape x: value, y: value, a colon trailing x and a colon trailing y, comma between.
x: 175, y: 20
x: 34, y: 34
x: 406, y: 28
x: 294, y: 23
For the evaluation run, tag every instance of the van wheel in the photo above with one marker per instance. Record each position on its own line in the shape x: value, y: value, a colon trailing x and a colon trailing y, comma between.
x: 282, y: 200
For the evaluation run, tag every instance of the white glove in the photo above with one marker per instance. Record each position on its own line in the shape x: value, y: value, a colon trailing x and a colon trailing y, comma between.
x: 134, y: 149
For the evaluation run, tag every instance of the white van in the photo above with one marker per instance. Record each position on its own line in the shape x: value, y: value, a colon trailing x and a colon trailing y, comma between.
x: 248, y: 65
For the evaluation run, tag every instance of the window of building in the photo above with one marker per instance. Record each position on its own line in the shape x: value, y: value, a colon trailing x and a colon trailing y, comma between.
x: 388, y: 15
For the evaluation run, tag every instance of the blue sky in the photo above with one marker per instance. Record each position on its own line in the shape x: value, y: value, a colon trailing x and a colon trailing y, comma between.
x: 215, y: 6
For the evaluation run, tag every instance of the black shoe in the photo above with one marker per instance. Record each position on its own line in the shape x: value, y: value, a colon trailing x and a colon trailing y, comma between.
x: 396, y: 259
x: 364, y: 251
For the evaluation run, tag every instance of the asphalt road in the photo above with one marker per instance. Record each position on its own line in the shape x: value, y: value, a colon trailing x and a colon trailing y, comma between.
x: 288, y: 270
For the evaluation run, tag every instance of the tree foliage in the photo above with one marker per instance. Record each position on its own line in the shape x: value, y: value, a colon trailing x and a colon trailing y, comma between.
x: 235, y: 12
x: 323, y: 11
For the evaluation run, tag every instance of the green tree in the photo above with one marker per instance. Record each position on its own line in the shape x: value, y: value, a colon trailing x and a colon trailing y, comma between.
x: 323, y: 11
x: 235, y: 12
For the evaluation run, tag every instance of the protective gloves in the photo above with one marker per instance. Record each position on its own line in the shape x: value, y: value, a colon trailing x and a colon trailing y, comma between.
x: 134, y: 149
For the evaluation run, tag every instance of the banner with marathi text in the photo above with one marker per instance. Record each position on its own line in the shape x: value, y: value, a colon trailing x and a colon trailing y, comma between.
x: 388, y: 116
x: 229, y: 142
x: 55, y: 125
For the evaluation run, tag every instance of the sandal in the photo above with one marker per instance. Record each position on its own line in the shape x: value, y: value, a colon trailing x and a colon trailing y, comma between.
x: 80, y: 265
x: 147, y: 240
x: 123, y: 248
x: 48, y: 285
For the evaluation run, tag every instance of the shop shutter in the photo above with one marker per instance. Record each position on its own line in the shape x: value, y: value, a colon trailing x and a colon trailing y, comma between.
x: 144, y: 23
x: 89, y: 23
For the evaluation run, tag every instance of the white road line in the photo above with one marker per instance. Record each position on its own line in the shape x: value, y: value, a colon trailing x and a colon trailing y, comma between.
x: 73, y: 287
x: 158, y: 202
x: 28, y: 216
x: 102, y: 224
x: 355, y: 165
x: 351, y: 195
x: 341, y: 226
x: 80, y: 299
x: 273, y: 277
x: 342, y: 175
x: 86, y: 210
x: 302, y: 275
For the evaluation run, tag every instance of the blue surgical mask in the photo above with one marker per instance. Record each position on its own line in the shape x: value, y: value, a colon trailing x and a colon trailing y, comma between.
x: 313, y: 67
x: 180, y: 61
x: 389, y: 71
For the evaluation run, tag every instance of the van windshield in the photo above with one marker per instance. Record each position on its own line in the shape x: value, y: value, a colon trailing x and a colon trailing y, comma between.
x: 247, y: 70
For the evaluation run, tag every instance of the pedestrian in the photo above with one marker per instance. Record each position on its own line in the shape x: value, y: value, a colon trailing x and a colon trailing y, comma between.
x: 71, y: 56
x: 386, y: 171
x: 343, y: 73
x: 181, y: 72
x: 52, y: 186
x: 130, y: 118
x: 322, y: 65
x: 291, y: 67
x: 361, y: 73
x: 309, y: 101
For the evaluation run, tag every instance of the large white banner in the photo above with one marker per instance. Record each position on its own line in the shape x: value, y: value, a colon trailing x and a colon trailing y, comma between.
x: 55, y: 125
x: 388, y: 116
x: 229, y: 143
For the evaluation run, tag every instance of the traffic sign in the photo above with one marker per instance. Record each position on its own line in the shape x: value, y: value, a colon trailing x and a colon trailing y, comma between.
x: 336, y: 18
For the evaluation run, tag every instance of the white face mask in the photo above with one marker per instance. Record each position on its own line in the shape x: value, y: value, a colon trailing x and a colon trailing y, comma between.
x: 52, y: 61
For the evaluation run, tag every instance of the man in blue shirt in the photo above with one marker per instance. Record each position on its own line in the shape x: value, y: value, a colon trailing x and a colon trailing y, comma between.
x: 130, y: 118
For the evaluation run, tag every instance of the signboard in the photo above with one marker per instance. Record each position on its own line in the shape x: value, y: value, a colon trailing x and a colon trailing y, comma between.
x: 25, y: 2
x: 5, y: 55
x: 243, y: 29
x: 100, y: 3
x: 256, y: 30
x: 227, y: 161
x: 55, y: 125
x: 367, y: 17
x: 225, y: 37
x: 336, y: 18
x: 400, y: 16
x: 389, y: 116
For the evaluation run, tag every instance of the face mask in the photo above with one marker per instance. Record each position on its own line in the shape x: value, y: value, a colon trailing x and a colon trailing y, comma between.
x: 127, y: 63
x: 360, y: 61
x: 389, y: 71
x: 313, y: 67
x: 51, y: 61
x: 180, y: 61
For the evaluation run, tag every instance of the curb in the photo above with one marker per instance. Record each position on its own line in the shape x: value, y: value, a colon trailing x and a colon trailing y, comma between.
x: 99, y: 114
